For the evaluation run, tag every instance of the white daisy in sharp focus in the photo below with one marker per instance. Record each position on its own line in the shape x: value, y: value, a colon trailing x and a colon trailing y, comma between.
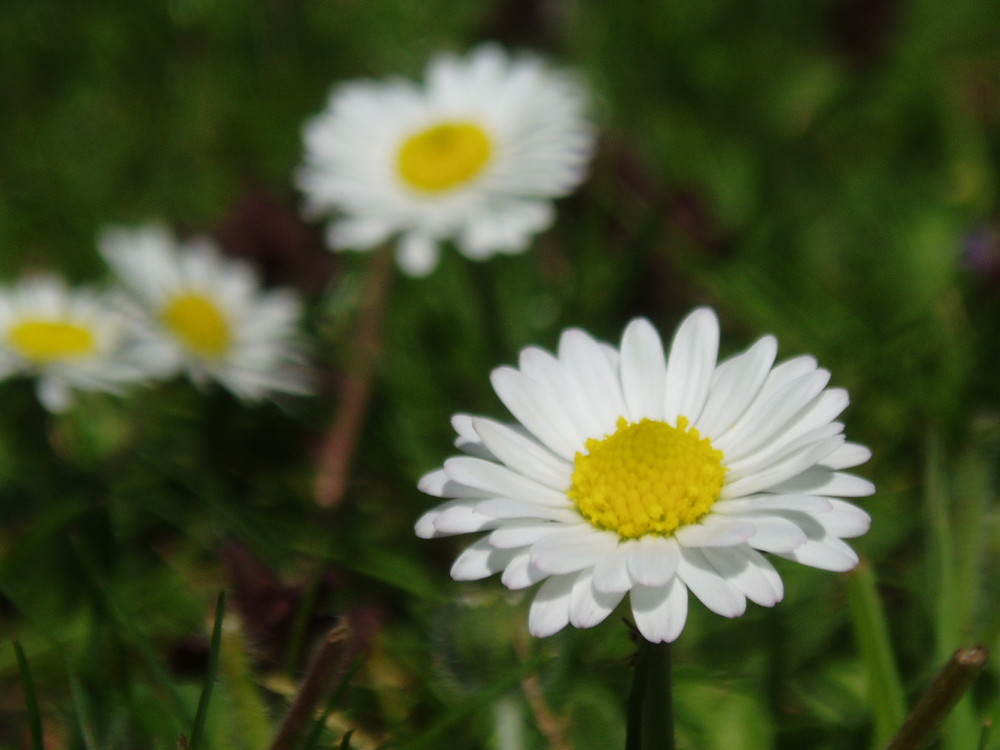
x: 635, y: 472
x: 205, y: 315
x: 476, y: 155
x: 69, y: 339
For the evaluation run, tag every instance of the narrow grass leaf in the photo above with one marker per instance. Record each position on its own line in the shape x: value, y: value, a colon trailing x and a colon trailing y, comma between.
x: 198, y: 731
x: 871, y: 629
x: 30, y: 698
x: 954, y: 569
x: 251, y: 726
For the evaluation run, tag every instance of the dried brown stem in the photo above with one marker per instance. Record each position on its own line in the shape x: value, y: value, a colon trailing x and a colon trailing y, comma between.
x: 315, y: 685
x: 337, y: 451
x: 948, y: 687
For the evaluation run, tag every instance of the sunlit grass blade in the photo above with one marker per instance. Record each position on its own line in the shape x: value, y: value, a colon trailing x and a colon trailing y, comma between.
x: 954, y: 567
x: 250, y: 727
x: 198, y: 730
x: 30, y: 699
x: 871, y: 628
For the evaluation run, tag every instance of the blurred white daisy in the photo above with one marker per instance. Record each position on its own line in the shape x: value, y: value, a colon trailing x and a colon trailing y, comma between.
x: 69, y: 339
x: 203, y: 314
x: 635, y: 472
x: 476, y: 156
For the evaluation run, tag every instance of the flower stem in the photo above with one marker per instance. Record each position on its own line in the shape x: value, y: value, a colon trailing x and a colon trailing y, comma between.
x: 650, y: 709
x: 317, y: 681
x: 948, y: 687
x: 337, y: 452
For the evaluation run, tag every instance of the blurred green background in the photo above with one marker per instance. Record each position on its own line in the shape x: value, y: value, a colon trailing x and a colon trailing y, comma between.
x: 826, y: 171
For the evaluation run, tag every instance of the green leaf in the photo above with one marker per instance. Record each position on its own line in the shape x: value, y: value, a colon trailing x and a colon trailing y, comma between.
x: 30, y: 699
x: 198, y: 731
x: 871, y: 629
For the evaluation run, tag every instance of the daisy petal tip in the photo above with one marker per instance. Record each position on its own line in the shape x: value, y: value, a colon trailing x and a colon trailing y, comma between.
x: 424, y: 527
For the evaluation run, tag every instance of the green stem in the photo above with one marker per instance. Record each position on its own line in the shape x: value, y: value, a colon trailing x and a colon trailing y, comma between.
x: 650, y: 711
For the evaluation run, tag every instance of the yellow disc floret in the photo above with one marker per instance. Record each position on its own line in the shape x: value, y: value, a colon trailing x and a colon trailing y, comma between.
x: 199, y: 324
x: 44, y: 341
x: 648, y: 477
x: 444, y: 156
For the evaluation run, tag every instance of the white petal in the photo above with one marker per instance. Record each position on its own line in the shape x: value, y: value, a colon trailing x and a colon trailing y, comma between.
x: 565, y: 397
x: 358, y: 233
x: 523, y: 454
x: 693, y: 354
x: 765, y: 418
x: 643, y: 371
x: 771, y: 477
x: 775, y: 534
x: 468, y: 440
x: 734, y: 385
x: 588, y: 606
x: 502, y: 507
x: 848, y: 456
x: 480, y: 561
x: 847, y: 521
x: 459, y: 517
x: 571, y: 549
x: 521, y: 533
x: 660, y: 612
x: 778, y: 450
x: 417, y: 254
x: 54, y: 394
x: 843, y: 520
x: 714, y: 533
x: 714, y: 591
x: 527, y: 402
x: 501, y: 481
x: 549, y: 611
x: 804, y: 503
x: 820, y: 480
x: 749, y: 572
x: 652, y: 560
x: 439, y: 484
x: 520, y: 573
x: 586, y: 361
x: 611, y: 573
x: 826, y: 554
x: 424, y: 527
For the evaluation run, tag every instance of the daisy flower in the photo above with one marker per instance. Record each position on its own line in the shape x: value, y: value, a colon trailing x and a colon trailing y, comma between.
x: 476, y: 155
x: 635, y: 472
x: 69, y: 339
x: 205, y: 315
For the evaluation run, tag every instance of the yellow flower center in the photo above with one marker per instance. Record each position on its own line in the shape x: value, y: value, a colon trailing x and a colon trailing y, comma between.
x: 199, y: 323
x: 444, y: 156
x: 647, y: 478
x: 44, y: 341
